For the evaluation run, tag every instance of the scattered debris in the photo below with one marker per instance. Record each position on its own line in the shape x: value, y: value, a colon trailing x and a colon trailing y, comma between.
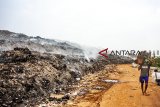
x: 99, y: 88
x: 111, y: 81
x: 83, y: 92
x: 134, y: 65
x: 28, y: 77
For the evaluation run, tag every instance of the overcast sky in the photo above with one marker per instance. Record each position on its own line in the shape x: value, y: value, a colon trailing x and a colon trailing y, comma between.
x: 116, y: 24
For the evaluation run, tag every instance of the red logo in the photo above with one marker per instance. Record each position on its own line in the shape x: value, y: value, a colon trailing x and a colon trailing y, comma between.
x: 104, y: 54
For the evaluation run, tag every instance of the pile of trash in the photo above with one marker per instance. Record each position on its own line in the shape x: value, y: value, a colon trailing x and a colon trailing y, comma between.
x: 27, y: 78
x: 24, y: 78
x: 16, y: 55
x: 29, y: 75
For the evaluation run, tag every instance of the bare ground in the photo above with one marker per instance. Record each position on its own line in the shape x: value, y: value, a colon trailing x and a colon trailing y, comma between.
x: 126, y: 93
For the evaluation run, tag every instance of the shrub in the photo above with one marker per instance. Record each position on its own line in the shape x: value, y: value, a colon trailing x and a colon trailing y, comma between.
x: 155, y: 62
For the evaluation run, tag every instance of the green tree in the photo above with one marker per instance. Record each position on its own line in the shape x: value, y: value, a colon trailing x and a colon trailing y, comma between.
x: 157, y: 62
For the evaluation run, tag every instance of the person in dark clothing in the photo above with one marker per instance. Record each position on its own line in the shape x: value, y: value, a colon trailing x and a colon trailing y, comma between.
x: 144, y: 75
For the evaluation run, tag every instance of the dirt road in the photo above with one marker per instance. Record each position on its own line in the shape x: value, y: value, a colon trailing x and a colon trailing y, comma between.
x: 126, y: 93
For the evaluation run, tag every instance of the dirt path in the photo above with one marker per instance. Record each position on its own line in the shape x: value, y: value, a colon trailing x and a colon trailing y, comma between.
x: 127, y: 93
